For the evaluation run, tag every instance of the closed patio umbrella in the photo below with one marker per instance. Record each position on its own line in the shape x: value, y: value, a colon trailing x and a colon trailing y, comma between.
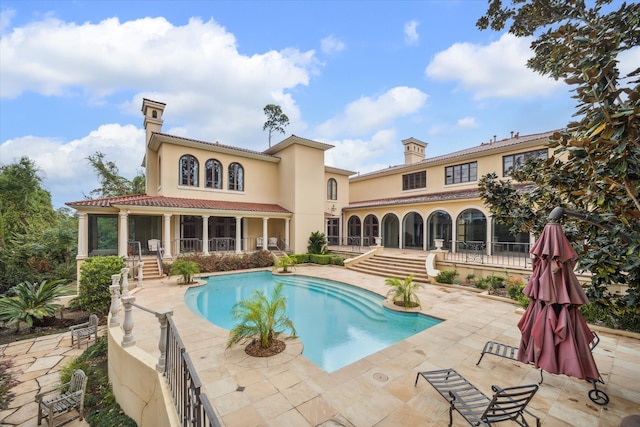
x: 555, y: 336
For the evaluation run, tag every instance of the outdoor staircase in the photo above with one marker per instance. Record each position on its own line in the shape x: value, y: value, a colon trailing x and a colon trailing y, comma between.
x: 150, y: 268
x: 393, y: 266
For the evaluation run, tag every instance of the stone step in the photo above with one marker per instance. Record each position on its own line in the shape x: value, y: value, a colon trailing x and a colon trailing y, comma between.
x: 390, y: 266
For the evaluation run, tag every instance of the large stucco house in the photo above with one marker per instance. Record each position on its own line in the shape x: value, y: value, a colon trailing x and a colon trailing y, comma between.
x: 208, y: 197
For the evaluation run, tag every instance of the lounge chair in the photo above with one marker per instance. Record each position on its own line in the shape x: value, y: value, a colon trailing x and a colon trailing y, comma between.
x: 84, y: 330
x: 272, y: 242
x: 68, y: 396
x: 154, y: 245
x: 507, y: 404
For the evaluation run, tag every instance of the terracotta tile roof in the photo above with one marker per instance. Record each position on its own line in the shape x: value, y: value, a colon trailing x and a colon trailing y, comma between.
x: 423, y: 198
x: 473, y: 150
x: 214, y: 144
x: 178, y: 203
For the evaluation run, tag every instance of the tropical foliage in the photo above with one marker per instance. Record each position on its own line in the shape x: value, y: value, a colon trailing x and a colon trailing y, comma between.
x: 36, y: 242
x: 32, y: 301
x: 446, y: 276
x: 184, y: 268
x: 285, y: 262
x: 317, y: 243
x: 404, y: 291
x: 111, y: 183
x: 261, y: 317
x: 95, y: 279
x: 593, y: 171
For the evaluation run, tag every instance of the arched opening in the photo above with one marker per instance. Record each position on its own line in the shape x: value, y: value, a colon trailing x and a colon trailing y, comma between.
x: 354, y: 231
x: 413, y: 231
x: 439, y: 226
x: 471, y: 230
x: 390, y: 231
x: 506, y: 242
x: 371, y: 230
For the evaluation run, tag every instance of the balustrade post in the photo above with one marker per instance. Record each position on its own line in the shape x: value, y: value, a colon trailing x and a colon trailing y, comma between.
x: 140, y: 273
x: 115, y: 305
x: 128, y: 339
x: 125, y: 281
x: 162, y: 344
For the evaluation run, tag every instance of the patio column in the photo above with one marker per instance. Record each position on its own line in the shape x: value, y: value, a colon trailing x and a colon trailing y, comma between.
x: 123, y: 235
x: 489, y: 237
x: 83, y: 236
x: 287, y: 223
x: 205, y: 234
x: 238, y: 234
x: 265, y: 238
x: 166, y: 236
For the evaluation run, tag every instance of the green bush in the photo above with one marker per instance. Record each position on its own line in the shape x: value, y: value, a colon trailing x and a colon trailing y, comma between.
x: 95, y: 279
x: 100, y: 404
x: 227, y: 262
x: 32, y: 302
x: 514, y: 290
x: 317, y: 243
x: 337, y: 260
x: 320, y: 259
x: 446, y: 276
x: 184, y: 268
x: 302, y: 258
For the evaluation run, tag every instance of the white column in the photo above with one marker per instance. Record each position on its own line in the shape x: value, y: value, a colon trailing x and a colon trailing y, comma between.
x: 166, y: 236
x: 245, y: 237
x: 265, y: 238
x: 238, y: 234
x: 489, y: 235
x: 123, y: 234
x: 205, y: 234
x: 287, y: 223
x: 83, y: 236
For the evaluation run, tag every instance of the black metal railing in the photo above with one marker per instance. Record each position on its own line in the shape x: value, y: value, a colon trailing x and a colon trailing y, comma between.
x: 509, y: 254
x: 134, y: 252
x: 192, y: 405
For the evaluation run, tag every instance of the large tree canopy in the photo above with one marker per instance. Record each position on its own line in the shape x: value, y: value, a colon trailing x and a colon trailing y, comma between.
x: 111, y: 183
x: 594, y: 168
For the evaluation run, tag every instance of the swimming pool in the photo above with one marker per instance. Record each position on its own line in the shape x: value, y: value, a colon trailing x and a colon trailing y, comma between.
x: 338, y: 324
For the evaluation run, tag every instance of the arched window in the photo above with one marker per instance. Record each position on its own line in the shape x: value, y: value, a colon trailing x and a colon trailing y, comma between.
x: 332, y: 189
x: 471, y: 230
x: 371, y: 229
x: 213, y: 174
x: 413, y: 230
x: 236, y: 177
x: 440, y: 226
x: 188, y: 170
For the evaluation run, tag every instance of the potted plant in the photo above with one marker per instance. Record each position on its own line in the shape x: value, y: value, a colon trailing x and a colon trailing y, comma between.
x: 262, y: 320
x: 184, y: 268
x: 284, y: 263
x: 404, y: 291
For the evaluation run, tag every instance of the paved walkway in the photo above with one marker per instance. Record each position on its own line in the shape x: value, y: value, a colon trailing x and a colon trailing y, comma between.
x: 38, y: 362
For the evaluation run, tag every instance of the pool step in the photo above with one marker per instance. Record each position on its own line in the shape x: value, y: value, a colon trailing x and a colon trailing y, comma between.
x: 393, y: 266
x: 367, y: 304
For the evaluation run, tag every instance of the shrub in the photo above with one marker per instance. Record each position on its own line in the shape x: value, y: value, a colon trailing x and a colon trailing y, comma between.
x: 446, y: 276
x: 32, y: 301
x: 100, y: 404
x: 514, y: 290
x: 317, y: 243
x: 320, y: 259
x: 7, y: 383
x: 302, y: 258
x: 227, y: 262
x: 184, y: 268
x: 95, y: 279
x: 337, y: 260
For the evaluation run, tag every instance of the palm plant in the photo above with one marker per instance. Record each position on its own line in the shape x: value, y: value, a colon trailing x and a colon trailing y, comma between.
x: 184, y: 268
x: 404, y: 291
x: 32, y: 301
x: 285, y: 262
x: 317, y: 243
x: 261, y: 317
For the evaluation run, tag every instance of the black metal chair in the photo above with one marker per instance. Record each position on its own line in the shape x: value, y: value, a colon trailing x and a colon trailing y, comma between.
x: 507, y: 404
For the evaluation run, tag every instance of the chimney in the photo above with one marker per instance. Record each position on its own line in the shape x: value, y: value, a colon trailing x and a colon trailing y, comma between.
x: 414, y: 150
x: 152, y: 112
x: 511, y: 134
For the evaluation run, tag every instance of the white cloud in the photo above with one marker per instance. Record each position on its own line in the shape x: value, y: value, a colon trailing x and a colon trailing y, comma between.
x: 367, y: 114
x: 331, y: 44
x: 6, y: 15
x: 629, y: 60
x: 496, y: 70
x: 411, y: 36
x: 467, y: 122
x: 209, y: 87
x: 66, y: 172
x: 364, y: 155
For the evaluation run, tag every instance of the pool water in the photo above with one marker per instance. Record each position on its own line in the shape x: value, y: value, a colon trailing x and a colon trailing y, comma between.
x: 338, y: 324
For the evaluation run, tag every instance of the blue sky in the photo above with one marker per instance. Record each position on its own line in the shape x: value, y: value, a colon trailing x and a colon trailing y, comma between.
x: 360, y: 75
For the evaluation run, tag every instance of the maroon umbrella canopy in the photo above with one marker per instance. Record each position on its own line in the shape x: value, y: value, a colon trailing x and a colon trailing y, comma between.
x: 555, y: 336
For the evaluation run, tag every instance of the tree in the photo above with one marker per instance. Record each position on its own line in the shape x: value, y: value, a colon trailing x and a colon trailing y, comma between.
x: 404, y: 291
x: 276, y: 120
x: 594, y: 168
x: 32, y: 301
x: 111, y: 183
x: 317, y: 243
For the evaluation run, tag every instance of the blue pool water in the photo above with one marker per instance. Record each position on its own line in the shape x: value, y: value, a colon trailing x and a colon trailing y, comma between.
x: 337, y: 323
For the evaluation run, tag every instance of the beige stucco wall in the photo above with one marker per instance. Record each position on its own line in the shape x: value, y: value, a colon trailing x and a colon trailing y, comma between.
x: 140, y: 390
x: 260, y: 176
